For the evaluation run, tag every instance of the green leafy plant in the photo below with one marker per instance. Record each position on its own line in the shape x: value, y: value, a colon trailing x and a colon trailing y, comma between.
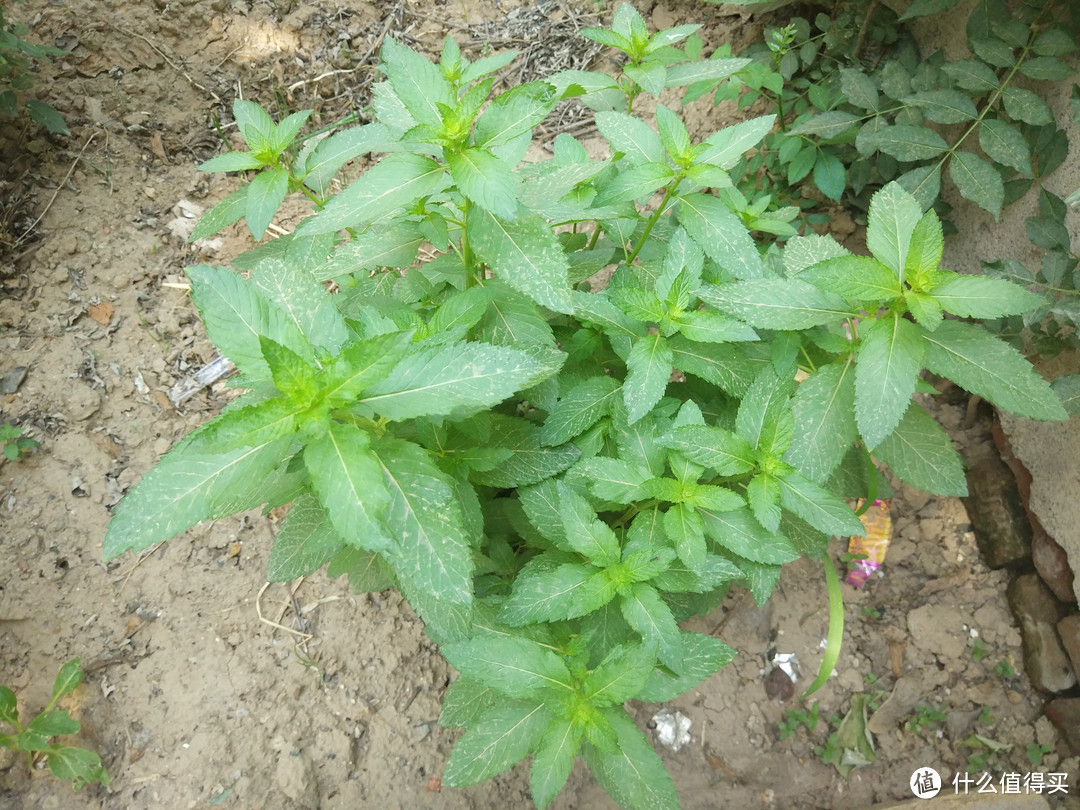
x: 17, y: 76
x: 79, y: 765
x: 1005, y: 669
x: 926, y: 717
x: 13, y: 444
x: 979, y: 650
x: 985, y: 717
x: 1036, y: 752
x: 556, y: 471
x: 793, y: 718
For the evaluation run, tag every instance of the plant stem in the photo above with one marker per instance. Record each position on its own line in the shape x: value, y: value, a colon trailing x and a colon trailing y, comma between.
x: 653, y: 220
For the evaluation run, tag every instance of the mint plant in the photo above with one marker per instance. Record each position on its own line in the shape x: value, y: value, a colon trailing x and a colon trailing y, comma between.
x: 13, y: 445
x: 79, y: 765
x: 17, y: 76
x: 554, y: 474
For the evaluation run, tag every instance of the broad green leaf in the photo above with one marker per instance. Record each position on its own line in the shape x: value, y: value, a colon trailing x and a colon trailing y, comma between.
x: 613, y: 479
x: 763, y: 498
x: 514, y: 320
x: 441, y: 380
x: 978, y: 181
x: 944, y: 106
x: 830, y: 176
x: 612, y: 39
x: 236, y: 315
x: 906, y: 142
x: 1053, y: 42
x: 920, y: 453
x: 647, y: 613
x: 394, y: 182
x: 303, y: 301
x: 181, y: 491
x: 724, y: 452
x: 702, y: 656
x: 715, y: 498
x: 225, y: 213
x: 982, y: 297
x: 485, y: 65
x: 924, y: 249
x: 620, y: 676
x: 776, y: 303
x: 231, y: 162
x: 720, y: 234
x: 739, y: 532
x: 525, y: 254
x: 396, y: 245
x: 923, y: 183
x: 859, y: 89
x: 505, y: 736
x: 818, y: 507
x: 553, y: 760
x: 1004, y: 143
x: 484, y: 179
x: 584, y: 532
x: 251, y: 425
x: 634, y: 183
x: 977, y: 361
x: 286, y: 131
x: 890, y: 359
x: 599, y: 310
x: 650, y: 76
x: 265, y: 195
x: 361, y: 365
x: 631, y: 136
x: 1024, y: 105
x: 541, y: 506
x: 515, y: 666
x: 254, y: 123
x: 433, y: 551
x: 673, y: 133
x: 544, y: 591
x: 972, y: 74
x: 802, y: 252
x: 683, y: 526
x: 67, y: 679
x: 47, y: 116
x: 1067, y: 389
x: 760, y: 407
x: 709, y: 327
x: 79, y: 766
x: 418, y: 83
x: 724, y: 148
x: 826, y: 125
x: 368, y: 572
x: 993, y: 51
x: 531, y: 462
x: 731, y: 371
x: 335, y: 151
x: 349, y: 481
x: 892, y: 219
x: 466, y: 701
x: 649, y: 366
x: 305, y: 542
x: 634, y: 775
x: 856, y: 278
x: 465, y: 308
x: 514, y: 113
x: 579, y: 408
x: 824, y: 407
x: 702, y: 70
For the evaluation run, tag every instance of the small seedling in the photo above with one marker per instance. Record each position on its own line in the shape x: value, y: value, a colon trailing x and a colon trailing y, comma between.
x: 793, y: 718
x: 1036, y: 753
x: 78, y: 765
x: 1005, y: 668
x: 14, y: 444
x: 870, y: 612
x: 986, y: 718
x: 926, y: 717
x: 979, y: 650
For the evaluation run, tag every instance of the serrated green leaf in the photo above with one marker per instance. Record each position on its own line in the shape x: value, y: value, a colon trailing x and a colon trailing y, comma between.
x: 739, y: 532
x: 634, y: 775
x: 893, y: 217
x: 982, y: 297
x: 906, y: 142
x: 579, y: 408
x: 305, y: 542
x: 724, y: 452
x: 1067, y: 389
x: 649, y: 75
x: 67, y: 679
x: 487, y: 64
x: 225, y: 213
x: 631, y: 136
x: 818, y: 507
x: 703, y: 656
x: 394, y: 182
x: 925, y: 249
x: 255, y: 124
x: 710, y: 327
x: 367, y: 571
x: 856, y: 278
x: 634, y: 183
x: 993, y: 51
x: 544, y: 591
x: 418, y: 83
x: 231, y: 162
x: 265, y: 195
x: 824, y: 407
x: 584, y: 532
x: 349, y: 482
x: 760, y: 408
x: 440, y: 380
x: 553, y: 760
x: 977, y: 361
x: 1053, y: 42
x: 944, y: 106
x: 393, y: 246
x: 514, y: 113
x: 763, y: 498
x: 52, y: 724
x: 1024, y: 105
x: 484, y: 179
x: 515, y: 666
x: 1046, y: 68
x: 720, y: 234
x: 525, y: 254
x: 433, y: 550
x: 251, y: 426
x: 504, y: 737
x: 890, y: 359
x: 361, y: 365
x: 335, y: 151
x: 978, y: 181
x: 531, y: 462
x: 647, y: 613
x: 181, y: 491
x: 923, y: 183
x: 826, y: 125
x: 598, y: 309
x: 859, y: 89
x: 683, y: 526
x: 466, y: 701
x: 731, y: 371
x: 830, y: 176
x: 725, y: 147
x: 79, y: 766
x: 673, y: 133
x: 702, y: 70
x: 303, y: 301
x: 620, y: 676
x: 776, y: 303
x: 920, y: 453
x: 649, y: 366
x: 972, y: 74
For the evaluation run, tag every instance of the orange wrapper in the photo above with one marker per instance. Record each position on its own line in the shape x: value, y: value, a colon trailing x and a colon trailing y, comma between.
x: 878, y: 522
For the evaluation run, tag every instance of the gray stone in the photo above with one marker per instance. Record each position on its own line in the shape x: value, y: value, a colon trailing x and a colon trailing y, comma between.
x: 1064, y: 713
x: 1069, y: 631
x: 1052, y: 563
x: 997, y: 514
x: 1038, y: 612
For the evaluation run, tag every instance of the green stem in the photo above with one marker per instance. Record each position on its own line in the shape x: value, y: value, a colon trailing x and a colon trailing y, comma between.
x: 835, y: 637
x: 653, y: 220
x: 595, y: 237
x: 468, y: 258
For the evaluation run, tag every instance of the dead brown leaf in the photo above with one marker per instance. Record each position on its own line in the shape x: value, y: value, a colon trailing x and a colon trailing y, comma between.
x: 102, y: 313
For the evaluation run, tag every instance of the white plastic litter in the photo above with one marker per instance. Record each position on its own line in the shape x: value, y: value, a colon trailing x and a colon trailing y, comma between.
x: 672, y: 728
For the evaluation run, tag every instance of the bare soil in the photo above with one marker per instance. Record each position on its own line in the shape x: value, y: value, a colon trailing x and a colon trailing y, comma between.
x: 207, y: 687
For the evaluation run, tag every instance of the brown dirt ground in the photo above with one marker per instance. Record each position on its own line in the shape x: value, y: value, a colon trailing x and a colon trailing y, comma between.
x: 205, y: 687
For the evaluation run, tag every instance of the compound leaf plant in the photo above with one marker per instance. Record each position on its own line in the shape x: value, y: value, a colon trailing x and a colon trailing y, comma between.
x: 555, y: 474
